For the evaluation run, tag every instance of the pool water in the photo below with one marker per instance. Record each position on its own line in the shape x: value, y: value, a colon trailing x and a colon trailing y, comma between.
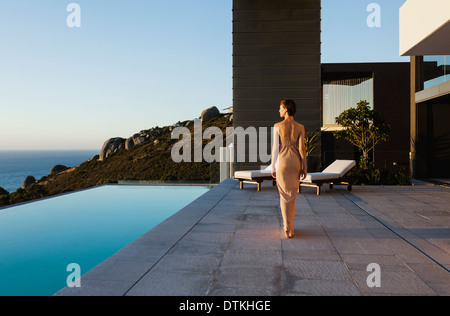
x: 39, y: 240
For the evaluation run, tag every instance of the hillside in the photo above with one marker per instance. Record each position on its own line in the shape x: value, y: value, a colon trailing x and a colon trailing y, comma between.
x: 148, y: 159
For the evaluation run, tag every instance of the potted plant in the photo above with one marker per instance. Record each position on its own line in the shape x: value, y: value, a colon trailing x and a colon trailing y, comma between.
x: 311, y: 143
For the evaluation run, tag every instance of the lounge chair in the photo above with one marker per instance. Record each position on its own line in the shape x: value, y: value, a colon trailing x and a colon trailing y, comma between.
x: 254, y: 177
x: 335, y: 174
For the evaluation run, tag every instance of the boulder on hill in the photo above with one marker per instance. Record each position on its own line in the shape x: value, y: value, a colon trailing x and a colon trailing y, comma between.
x: 129, y: 143
x: 111, y: 146
x: 28, y: 181
x: 139, y: 139
x: 57, y: 169
x: 210, y: 113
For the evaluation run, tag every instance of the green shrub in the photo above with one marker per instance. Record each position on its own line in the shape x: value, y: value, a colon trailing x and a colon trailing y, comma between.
x: 368, y: 174
x: 4, y: 197
x: 106, y: 181
x: 3, y: 191
x: 32, y: 192
x: 169, y: 177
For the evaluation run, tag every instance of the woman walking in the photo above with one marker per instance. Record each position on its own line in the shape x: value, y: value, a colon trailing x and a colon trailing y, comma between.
x: 291, y: 156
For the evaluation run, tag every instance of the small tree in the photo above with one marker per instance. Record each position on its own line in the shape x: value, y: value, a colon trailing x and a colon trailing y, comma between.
x: 364, y: 128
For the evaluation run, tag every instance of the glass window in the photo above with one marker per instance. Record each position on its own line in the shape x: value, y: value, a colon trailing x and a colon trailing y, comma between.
x: 343, y: 94
x: 436, y: 70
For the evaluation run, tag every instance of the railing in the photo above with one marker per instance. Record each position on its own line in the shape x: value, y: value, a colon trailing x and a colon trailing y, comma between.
x: 436, y: 70
x: 227, y: 165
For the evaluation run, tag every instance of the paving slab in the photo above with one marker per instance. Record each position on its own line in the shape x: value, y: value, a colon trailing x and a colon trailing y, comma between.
x: 229, y: 242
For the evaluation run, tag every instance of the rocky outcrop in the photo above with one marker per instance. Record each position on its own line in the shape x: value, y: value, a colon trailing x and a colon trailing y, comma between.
x: 129, y: 143
x: 111, y: 146
x: 3, y: 192
x: 139, y: 139
x: 150, y: 136
x: 28, y: 181
x: 210, y: 113
x: 57, y: 168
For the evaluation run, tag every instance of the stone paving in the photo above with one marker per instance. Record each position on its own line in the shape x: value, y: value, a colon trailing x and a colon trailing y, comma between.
x: 230, y: 242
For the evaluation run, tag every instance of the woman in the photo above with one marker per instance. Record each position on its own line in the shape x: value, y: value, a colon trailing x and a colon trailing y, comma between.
x: 292, y: 162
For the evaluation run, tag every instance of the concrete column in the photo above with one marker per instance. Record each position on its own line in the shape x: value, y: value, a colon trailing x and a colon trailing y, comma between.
x: 416, y: 85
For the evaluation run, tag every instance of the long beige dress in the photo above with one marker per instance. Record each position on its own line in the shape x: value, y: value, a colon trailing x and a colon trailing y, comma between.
x: 288, y: 170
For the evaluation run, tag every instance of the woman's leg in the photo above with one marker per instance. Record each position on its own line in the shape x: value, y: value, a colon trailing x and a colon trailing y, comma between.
x: 288, y: 214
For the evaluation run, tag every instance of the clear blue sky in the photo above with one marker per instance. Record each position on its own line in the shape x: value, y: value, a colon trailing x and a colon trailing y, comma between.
x: 137, y: 64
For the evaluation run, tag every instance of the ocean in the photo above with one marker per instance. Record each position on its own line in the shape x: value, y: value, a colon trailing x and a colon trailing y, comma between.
x: 15, y: 166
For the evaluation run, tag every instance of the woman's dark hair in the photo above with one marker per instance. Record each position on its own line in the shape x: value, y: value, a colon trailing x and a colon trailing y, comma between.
x: 290, y: 106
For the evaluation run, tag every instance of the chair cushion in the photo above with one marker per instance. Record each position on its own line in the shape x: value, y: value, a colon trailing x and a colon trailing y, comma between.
x: 251, y: 174
x: 321, y: 176
x: 341, y: 167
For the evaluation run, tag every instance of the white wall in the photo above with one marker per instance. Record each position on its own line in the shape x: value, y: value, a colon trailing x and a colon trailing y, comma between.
x: 423, y: 24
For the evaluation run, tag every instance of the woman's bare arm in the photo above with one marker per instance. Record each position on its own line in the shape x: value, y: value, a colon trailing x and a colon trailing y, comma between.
x: 275, y: 149
x: 302, y: 150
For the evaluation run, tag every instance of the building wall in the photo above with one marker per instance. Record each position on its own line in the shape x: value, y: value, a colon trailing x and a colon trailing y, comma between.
x: 430, y: 130
x: 276, y: 56
x: 433, y: 141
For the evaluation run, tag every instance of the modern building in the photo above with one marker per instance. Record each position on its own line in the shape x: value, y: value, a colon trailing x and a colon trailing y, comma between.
x: 277, y: 55
x: 425, y: 36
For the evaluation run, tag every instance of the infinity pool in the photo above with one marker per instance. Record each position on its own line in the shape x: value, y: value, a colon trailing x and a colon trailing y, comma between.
x: 39, y: 240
